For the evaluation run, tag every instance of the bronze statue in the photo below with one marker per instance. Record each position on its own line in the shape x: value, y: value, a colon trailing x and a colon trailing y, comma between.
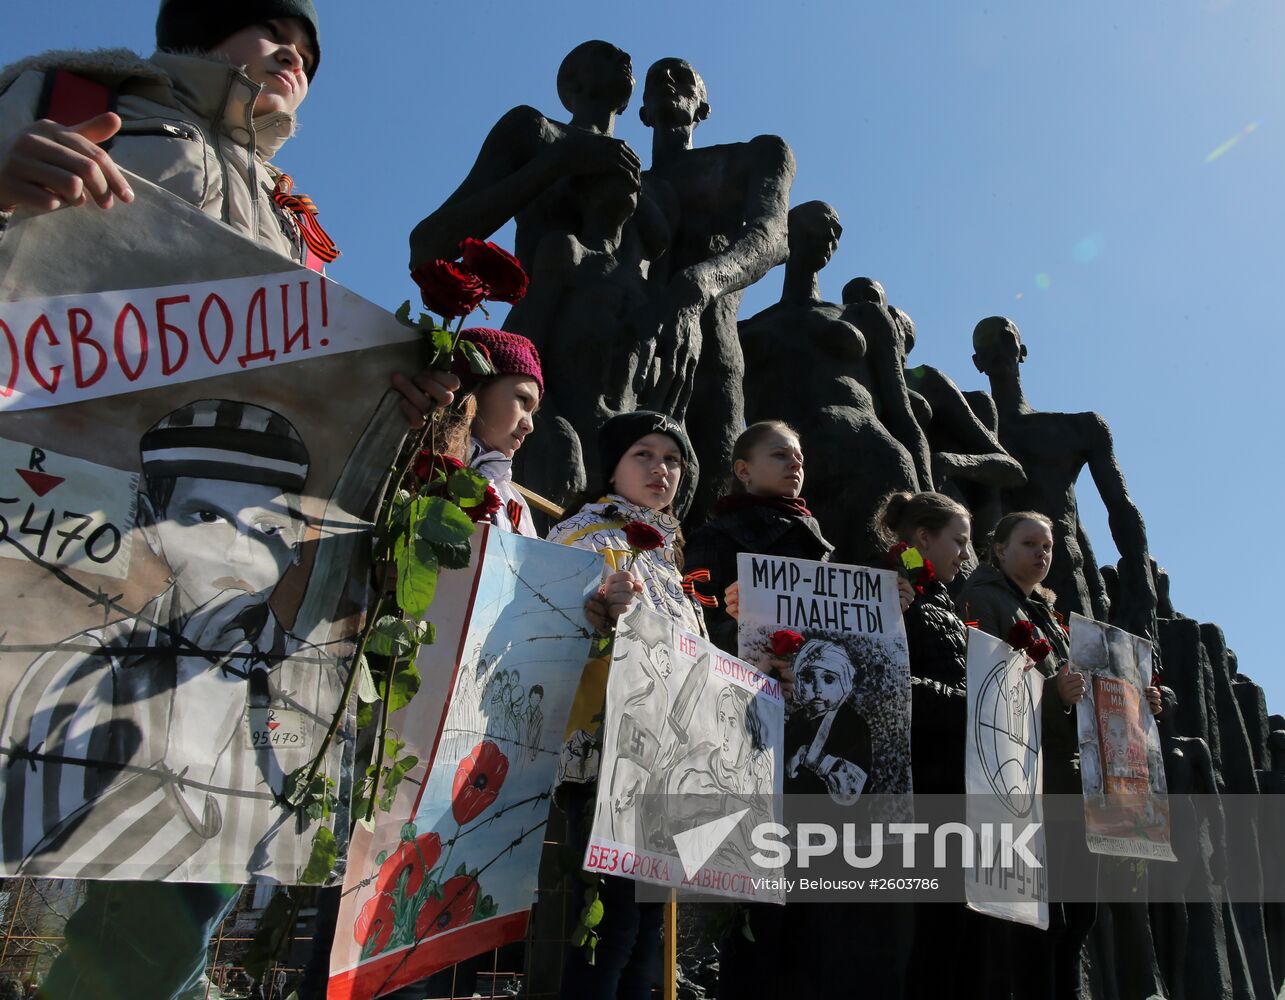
x: 1053, y: 448
x: 806, y: 364
x: 726, y: 206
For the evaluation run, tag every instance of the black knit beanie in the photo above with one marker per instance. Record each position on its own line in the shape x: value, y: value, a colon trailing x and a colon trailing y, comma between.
x: 620, y: 432
x: 200, y: 25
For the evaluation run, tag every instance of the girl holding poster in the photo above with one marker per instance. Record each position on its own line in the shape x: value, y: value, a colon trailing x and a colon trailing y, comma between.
x: 1006, y: 589
x: 630, y: 521
x: 763, y: 512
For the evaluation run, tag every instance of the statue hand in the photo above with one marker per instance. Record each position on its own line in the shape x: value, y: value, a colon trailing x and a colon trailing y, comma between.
x: 581, y: 153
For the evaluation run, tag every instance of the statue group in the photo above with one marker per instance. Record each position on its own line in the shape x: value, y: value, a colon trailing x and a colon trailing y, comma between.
x: 637, y: 277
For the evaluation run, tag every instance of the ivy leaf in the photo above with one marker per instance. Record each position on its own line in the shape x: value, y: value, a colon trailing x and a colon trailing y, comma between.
x: 392, y: 779
x: 272, y: 936
x: 478, y: 363
x: 592, y: 915
x: 416, y: 575
x: 366, y: 690
x: 467, y: 487
x: 455, y: 555
x: 437, y: 347
x: 441, y: 522
x: 391, y: 637
x: 325, y: 852
x: 405, y: 685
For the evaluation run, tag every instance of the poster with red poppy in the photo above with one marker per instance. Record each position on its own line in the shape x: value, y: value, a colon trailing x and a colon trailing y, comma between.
x: 1126, y: 800
x: 451, y: 872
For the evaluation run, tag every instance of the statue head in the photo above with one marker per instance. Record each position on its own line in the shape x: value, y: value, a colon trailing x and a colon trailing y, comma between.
x: 674, y: 96
x: 905, y: 326
x: 864, y: 290
x: 814, y: 233
x: 997, y: 345
x: 596, y: 75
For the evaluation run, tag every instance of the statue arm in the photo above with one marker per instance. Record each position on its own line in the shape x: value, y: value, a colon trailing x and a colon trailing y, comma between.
x: 980, y: 455
x: 1137, y: 591
x: 523, y: 154
x: 887, y: 367
x: 760, y: 244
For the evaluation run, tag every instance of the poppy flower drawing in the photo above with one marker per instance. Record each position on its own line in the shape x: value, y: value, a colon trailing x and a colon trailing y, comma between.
x: 478, y: 780
x: 413, y: 858
x: 453, y: 909
x: 374, y: 924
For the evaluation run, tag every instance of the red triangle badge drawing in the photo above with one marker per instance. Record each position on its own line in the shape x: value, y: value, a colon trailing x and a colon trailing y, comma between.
x: 40, y: 482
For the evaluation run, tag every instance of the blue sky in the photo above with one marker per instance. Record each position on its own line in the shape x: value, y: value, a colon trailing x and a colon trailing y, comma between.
x: 1047, y: 161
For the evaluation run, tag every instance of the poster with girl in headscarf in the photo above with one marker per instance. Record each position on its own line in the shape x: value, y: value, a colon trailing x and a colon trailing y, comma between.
x: 847, y: 730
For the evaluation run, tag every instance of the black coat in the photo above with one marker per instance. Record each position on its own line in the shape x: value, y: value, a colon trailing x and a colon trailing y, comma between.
x: 764, y: 530
x: 937, y: 640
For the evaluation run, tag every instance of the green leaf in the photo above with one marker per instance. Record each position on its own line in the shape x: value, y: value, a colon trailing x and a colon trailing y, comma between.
x: 478, y: 363
x: 405, y: 685
x: 456, y: 555
x: 427, y: 633
x: 325, y: 852
x: 467, y: 487
x: 272, y: 936
x: 365, y: 715
x: 437, y: 347
x: 366, y: 690
x: 392, y: 779
x: 579, y: 936
x: 391, y: 636
x: 416, y: 575
x: 441, y: 521
x: 592, y: 915
x: 402, y: 315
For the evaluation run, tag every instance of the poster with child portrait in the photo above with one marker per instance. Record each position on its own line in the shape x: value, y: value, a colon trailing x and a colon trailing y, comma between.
x: 193, y: 438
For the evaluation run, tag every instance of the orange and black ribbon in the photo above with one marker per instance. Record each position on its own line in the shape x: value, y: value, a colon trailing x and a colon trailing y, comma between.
x: 689, y: 588
x: 305, y: 214
x: 514, y: 510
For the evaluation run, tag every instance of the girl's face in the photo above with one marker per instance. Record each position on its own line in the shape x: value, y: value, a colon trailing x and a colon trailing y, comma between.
x: 774, y: 467
x: 275, y: 53
x: 946, y: 549
x: 506, y: 412
x: 1027, y: 555
x: 649, y: 472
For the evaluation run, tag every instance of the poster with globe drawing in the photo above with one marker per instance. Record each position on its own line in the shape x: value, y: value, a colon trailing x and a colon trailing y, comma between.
x: 1004, y: 779
x: 451, y: 870
x: 847, y: 728
x: 1126, y: 802
x: 691, y: 762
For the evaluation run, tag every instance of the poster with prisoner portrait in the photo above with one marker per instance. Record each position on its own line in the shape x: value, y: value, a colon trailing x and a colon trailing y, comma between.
x: 451, y: 871
x: 691, y: 762
x: 1003, y: 774
x: 847, y: 729
x: 193, y: 435
x: 1126, y: 801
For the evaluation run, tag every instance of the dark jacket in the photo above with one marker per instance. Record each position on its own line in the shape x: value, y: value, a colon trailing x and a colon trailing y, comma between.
x: 763, y: 530
x: 994, y: 602
x: 937, y: 640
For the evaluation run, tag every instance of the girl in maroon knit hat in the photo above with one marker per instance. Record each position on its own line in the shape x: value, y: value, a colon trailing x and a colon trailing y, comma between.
x: 506, y: 405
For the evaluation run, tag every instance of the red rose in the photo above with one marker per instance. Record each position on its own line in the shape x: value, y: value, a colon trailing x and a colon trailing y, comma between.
x: 1022, y: 634
x: 490, y: 504
x: 498, y: 269
x: 448, y: 288
x: 926, y: 572
x: 416, y: 857
x: 893, y: 557
x: 643, y: 537
x: 374, y: 924
x: 478, y: 780
x: 455, y: 908
x: 785, y: 642
x: 1038, y: 650
x: 428, y: 464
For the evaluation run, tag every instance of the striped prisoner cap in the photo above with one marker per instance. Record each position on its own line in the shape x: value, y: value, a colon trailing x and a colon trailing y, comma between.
x: 222, y: 439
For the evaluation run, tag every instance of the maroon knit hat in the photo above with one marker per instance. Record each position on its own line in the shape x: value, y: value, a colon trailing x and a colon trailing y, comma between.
x: 511, y: 353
